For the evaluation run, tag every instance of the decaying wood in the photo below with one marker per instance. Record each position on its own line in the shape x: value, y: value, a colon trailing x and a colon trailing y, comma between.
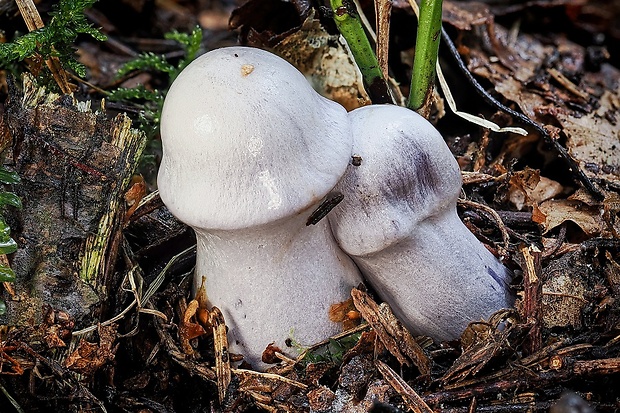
x: 411, y: 398
x: 75, y: 165
x: 532, y: 296
x: 222, y: 358
x: 391, y: 332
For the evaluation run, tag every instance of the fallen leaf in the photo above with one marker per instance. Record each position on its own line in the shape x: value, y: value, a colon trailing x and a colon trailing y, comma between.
x: 557, y: 212
x: 325, y: 62
x: 586, y: 112
x: 88, y: 357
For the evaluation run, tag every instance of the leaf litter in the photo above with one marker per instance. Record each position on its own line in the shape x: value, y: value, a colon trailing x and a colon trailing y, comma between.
x: 558, y: 348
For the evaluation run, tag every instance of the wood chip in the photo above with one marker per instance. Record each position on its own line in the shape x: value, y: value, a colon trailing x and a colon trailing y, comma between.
x: 397, y: 340
x: 222, y: 361
x: 532, y: 295
x: 410, y: 397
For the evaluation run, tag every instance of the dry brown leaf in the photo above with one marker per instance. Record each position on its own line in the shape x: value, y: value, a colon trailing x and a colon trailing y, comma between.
x: 345, y: 313
x: 134, y: 194
x: 520, y: 73
x: 324, y: 60
x: 465, y: 15
x: 391, y: 332
x: 545, y: 190
x: 89, y: 357
x: 189, y: 330
x: 594, y: 138
x: 564, y: 292
x: 528, y: 188
x: 522, y: 184
x: 556, y: 212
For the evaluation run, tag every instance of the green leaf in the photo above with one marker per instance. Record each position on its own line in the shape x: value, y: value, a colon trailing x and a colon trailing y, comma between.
x: 190, y: 43
x: 7, y: 244
x: 6, y: 275
x: 2, y: 307
x: 9, y: 198
x: 146, y: 61
x: 8, y: 247
x: 8, y: 177
x: 57, y: 38
x: 138, y: 92
x: 5, y: 231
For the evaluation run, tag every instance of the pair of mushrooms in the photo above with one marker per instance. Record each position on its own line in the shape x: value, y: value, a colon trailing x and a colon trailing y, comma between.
x: 250, y: 151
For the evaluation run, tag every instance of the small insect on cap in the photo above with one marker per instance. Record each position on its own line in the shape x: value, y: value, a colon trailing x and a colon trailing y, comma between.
x: 247, y: 141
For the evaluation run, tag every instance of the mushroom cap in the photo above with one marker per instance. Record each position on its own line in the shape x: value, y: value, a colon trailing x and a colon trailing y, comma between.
x: 407, y: 174
x: 246, y: 141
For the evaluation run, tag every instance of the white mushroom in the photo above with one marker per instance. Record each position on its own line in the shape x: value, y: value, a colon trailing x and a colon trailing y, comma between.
x: 250, y: 150
x: 398, y: 221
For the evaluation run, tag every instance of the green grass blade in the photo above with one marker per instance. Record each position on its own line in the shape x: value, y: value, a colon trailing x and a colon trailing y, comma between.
x: 427, y: 48
x: 349, y: 24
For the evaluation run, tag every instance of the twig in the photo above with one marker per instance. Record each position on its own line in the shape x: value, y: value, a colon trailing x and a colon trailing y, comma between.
x: 33, y: 21
x: 347, y: 20
x: 140, y: 298
x: 391, y: 332
x: 13, y: 402
x: 494, y: 215
x: 532, y: 295
x: 270, y: 376
x: 410, y: 397
x: 222, y: 359
x: 383, y: 10
x: 338, y: 336
x: 193, y: 367
x: 576, y: 297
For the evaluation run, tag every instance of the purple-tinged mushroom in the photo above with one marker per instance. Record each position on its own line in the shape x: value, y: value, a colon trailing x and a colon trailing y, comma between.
x: 398, y: 221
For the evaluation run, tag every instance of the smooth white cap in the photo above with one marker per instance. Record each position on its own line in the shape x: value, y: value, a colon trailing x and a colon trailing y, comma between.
x: 247, y: 141
x: 407, y: 174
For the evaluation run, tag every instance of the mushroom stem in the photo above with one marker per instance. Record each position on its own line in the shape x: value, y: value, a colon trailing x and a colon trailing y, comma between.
x: 274, y: 282
x: 452, y: 279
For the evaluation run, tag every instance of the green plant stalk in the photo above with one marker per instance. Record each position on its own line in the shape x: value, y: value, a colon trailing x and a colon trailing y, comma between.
x: 350, y: 26
x: 425, y: 59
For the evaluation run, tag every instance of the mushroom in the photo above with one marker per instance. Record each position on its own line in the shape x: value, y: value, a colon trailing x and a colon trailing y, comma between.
x: 250, y: 151
x: 399, y: 222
